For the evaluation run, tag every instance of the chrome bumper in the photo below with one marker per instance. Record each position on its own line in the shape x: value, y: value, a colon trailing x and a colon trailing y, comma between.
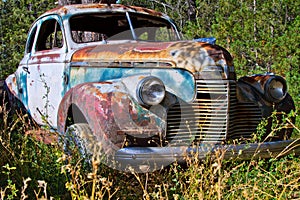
x: 147, y: 159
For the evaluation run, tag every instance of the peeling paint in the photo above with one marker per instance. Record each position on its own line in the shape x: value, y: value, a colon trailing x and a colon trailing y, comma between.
x: 179, y: 82
x: 192, y: 56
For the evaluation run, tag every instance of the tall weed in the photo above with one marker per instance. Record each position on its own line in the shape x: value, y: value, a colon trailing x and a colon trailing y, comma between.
x: 32, y: 169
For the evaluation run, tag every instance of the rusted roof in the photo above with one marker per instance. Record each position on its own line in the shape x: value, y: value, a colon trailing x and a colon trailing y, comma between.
x: 81, y: 8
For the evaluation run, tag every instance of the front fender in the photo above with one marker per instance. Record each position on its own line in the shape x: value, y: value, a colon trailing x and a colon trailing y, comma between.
x: 16, y: 92
x: 110, y: 112
x: 252, y: 89
x: 11, y: 83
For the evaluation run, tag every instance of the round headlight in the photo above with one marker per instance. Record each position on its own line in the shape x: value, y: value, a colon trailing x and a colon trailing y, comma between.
x: 275, y: 89
x: 151, y: 91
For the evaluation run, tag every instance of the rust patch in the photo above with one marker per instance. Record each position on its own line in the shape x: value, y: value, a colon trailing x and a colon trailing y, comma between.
x: 14, y: 80
x: 111, y: 114
x: 157, y: 47
x: 218, y: 53
x: 188, y: 55
x: 63, y: 10
x: 261, y: 79
x: 46, y: 58
x: 123, y: 52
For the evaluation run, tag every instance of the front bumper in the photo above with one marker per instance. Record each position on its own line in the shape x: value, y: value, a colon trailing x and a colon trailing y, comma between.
x: 147, y: 159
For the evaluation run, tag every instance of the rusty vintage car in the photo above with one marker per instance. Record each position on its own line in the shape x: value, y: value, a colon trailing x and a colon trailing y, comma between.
x: 123, y: 83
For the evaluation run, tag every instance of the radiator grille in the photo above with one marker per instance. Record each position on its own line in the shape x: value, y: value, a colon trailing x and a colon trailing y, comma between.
x: 208, y: 118
x: 244, y: 117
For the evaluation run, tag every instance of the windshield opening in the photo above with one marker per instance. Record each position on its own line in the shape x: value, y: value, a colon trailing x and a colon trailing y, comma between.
x: 96, y: 27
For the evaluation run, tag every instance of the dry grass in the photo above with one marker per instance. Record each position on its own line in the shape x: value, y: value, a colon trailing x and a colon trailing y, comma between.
x: 31, y: 169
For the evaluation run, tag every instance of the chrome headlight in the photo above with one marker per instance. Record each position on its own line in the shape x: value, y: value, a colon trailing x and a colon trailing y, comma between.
x: 151, y: 91
x: 275, y: 89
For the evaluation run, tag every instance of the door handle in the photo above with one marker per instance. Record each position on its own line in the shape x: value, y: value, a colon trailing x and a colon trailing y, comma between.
x: 26, y: 69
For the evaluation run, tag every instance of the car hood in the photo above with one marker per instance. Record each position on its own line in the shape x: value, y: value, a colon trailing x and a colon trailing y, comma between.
x: 190, y: 55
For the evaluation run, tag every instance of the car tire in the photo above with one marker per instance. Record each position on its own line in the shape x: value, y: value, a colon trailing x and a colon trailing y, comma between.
x: 78, y: 142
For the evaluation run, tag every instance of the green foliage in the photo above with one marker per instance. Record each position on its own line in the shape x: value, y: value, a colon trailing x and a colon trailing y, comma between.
x: 10, y: 185
x: 15, y: 20
x: 264, y: 179
x: 22, y: 156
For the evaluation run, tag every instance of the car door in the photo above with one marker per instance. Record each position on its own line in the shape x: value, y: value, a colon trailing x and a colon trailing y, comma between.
x: 22, y: 70
x: 45, y: 71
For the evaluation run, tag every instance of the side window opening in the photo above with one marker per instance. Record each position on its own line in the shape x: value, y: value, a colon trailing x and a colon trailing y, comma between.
x: 50, y: 36
x: 31, y: 40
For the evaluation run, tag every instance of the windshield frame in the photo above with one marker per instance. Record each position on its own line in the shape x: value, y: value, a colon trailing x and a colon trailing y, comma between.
x: 128, y: 16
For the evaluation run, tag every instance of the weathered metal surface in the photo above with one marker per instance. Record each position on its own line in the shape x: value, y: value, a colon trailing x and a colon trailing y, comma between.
x: 252, y: 89
x: 154, y: 158
x: 90, y: 8
x: 178, y: 82
x: 193, y: 56
x: 11, y: 82
x: 257, y: 82
x: 111, y: 113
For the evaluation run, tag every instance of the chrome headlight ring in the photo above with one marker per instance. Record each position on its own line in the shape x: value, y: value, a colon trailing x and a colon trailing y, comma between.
x: 151, y: 91
x: 275, y: 89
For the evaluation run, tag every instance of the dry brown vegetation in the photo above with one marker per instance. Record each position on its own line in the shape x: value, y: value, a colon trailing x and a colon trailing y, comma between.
x: 31, y: 169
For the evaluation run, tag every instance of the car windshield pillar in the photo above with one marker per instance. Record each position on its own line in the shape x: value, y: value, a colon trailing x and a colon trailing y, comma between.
x: 131, y: 26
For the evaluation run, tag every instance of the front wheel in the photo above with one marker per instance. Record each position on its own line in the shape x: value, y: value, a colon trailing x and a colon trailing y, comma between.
x: 78, y: 141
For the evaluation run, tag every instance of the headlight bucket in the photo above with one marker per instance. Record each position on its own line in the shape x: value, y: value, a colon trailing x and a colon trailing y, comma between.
x: 151, y: 91
x: 275, y: 89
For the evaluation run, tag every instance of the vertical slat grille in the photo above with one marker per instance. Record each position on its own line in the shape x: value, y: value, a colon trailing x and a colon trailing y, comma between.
x: 205, y: 119
x: 244, y: 117
x: 214, y: 116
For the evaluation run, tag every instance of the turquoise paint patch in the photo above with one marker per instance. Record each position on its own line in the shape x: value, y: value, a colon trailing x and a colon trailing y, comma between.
x: 177, y: 81
x: 23, y: 84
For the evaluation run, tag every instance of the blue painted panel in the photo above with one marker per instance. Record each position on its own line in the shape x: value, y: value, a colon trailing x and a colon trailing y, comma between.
x: 177, y: 81
x: 23, y: 84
